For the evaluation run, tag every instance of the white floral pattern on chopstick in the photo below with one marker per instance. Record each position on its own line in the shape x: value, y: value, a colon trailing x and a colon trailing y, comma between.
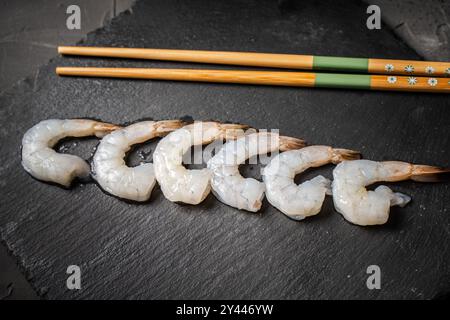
x: 409, y: 68
x: 432, y: 82
x: 392, y: 79
x: 389, y: 67
x: 429, y: 70
x: 412, y: 81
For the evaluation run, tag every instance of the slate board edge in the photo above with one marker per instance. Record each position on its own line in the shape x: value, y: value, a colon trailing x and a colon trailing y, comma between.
x: 17, y: 259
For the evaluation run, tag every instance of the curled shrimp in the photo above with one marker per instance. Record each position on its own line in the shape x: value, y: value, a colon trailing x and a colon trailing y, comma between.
x: 363, y: 207
x: 300, y: 201
x: 179, y: 184
x: 227, y: 183
x: 44, y: 163
x: 109, y: 167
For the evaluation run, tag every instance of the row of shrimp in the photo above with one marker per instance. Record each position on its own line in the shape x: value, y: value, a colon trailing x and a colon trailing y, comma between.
x: 221, y: 176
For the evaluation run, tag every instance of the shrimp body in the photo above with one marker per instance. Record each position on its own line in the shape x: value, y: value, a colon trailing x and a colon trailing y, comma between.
x: 44, y: 163
x: 227, y: 183
x: 179, y: 184
x: 109, y: 167
x: 363, y: 207
x: 300, y: 201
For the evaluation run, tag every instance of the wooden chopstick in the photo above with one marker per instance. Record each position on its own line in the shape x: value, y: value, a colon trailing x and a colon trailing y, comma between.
x: 290, y: 61
x: 277, y: 78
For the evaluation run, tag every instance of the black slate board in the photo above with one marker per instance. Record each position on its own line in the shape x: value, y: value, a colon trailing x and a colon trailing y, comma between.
x: 165, y: 250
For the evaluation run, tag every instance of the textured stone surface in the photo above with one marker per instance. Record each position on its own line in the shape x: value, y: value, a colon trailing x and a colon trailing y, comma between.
x: 165, y: 250
x: 31, y: 30
x: 423, y: 25
x: 29, y: 34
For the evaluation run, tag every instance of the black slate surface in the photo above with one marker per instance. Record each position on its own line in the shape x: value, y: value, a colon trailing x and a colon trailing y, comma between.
x: 165, y: 250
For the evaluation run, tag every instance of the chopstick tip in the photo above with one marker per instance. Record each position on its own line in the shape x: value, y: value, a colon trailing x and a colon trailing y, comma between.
x: 59, y: 70
x: 63, y: 49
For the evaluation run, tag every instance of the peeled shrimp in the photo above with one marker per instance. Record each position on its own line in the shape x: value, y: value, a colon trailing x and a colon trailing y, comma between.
x: 44, y: 163
x: 178, y: 183
x: 110, y: 170
x: 363, y: 207
x: 227, y: 183
x: 300, y: 201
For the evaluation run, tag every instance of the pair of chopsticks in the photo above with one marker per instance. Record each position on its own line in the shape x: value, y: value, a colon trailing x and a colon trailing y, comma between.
x: 374, y: 74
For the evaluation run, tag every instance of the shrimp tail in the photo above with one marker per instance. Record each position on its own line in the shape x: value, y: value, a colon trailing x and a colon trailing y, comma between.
x: 233, y: 130
x: 289, y: 143
x: 103, y: 128
x: 166, y: 126
x: 424, y: 173
x: 339, y: 155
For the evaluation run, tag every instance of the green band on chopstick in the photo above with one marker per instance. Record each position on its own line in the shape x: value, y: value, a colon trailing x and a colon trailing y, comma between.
x: 334, y: 80
x: 340, y: 64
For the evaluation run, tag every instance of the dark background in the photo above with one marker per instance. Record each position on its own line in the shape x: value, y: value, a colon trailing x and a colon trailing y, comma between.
x: 164, y: 250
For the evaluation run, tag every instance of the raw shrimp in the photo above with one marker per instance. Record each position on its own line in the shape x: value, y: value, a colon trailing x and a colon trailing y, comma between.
x: 44, y: 163
x: 363, y: 207
x: 178, y: 183
x: 227, y: 183
x: 300, y: 201
x: 110, y: 170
